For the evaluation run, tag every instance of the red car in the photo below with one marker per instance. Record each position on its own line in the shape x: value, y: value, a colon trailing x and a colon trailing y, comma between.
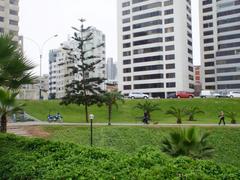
x: 183, y: 94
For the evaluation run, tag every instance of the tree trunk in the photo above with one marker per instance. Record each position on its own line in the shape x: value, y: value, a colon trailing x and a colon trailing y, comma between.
x: 86, y: 112
x: 3, y: 123
x: 109, y: 114
x: 179, y: 121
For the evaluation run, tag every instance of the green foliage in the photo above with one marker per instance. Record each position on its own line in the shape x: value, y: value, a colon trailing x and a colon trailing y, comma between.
x: 87, y: 90
x: 177, y: 113
x: 14, y: 67
x: 8, y: 106
x: 192, y: 112
x: 148, y: 107
x: 130, y: 139
x: 188, y: 142
x: 39, y: 159
x: 110, y: 99
x: 232, y: 116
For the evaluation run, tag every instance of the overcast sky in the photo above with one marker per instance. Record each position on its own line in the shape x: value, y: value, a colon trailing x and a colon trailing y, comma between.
x: 41, y: 19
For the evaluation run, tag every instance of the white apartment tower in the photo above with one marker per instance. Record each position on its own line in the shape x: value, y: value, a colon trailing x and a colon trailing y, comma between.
x: 59, y: 72
x: 220, y: 44
x: 9, y: 18
x: 155, y: 47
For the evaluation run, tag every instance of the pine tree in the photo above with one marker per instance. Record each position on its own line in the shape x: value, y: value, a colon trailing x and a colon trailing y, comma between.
x: 85, y: 91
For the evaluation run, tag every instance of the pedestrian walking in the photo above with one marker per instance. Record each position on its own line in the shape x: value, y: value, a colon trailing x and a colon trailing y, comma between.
x: 145, y: 118
x: 221, y: 118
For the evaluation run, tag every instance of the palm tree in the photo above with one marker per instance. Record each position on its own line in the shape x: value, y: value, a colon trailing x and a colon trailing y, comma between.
x: 187, y: 142
x: 8, y: 106
x: 14, y: 67
x: 110, y: 99
x: 191, y: 112
x: 148, y: 107
x: 232, y: 116
x: 177, y: 113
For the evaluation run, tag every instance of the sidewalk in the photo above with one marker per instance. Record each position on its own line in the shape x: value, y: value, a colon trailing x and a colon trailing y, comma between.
x: 41, y: 123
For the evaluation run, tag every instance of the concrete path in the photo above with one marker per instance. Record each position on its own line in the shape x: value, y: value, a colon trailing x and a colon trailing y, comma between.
x: 41, y: 123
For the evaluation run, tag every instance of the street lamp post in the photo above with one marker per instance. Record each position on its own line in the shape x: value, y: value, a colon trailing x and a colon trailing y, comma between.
x: 91, y: 117
x: 40, y: 48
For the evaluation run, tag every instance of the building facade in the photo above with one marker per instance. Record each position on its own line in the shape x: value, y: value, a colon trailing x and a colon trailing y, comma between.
x: 59, y: 72
x: 111, y: 69
x: 155, y: 47
x: 9, y: 19
x: 32, y: 91
x: 220, y: 44
x: 198, y: 85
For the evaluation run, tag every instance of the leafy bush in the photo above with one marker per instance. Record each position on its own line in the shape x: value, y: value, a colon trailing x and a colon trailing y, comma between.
x: 22, y: 158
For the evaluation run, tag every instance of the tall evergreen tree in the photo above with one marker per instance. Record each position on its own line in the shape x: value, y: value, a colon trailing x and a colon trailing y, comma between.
x: 85, y: 91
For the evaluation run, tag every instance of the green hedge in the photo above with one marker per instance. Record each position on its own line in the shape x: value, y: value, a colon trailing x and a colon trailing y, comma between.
x: 22, y: 158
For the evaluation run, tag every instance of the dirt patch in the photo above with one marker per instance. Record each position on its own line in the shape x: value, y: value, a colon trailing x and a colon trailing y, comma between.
x: 36, y: 131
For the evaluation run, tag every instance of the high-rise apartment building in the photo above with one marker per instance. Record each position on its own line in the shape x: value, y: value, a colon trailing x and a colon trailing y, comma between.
x: 59, y: 73
x: 220, y: 44
x: 111, y: 69
x: 155, y: 47
x: 9, y: 18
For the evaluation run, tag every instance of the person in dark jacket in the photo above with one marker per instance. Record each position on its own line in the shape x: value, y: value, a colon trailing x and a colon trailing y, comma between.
x: 221, y: 118
x: 145, y: 118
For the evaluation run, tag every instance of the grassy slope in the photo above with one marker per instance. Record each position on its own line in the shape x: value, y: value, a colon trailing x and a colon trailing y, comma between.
x: 128, y: 139
x: 127, y: 113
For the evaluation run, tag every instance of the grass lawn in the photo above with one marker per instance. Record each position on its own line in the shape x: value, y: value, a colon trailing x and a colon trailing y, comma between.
x: 226, y: 141
x: 127, y: 113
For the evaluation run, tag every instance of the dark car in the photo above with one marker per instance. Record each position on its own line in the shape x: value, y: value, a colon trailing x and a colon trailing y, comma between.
x: 171, y: 96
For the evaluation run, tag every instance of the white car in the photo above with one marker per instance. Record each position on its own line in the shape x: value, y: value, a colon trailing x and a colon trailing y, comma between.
x: 233, y: 94
x: 138, y: 95
x: 209, y: 94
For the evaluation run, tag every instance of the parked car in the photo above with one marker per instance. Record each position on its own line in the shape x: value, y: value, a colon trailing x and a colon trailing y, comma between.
x: 184, y: 94
x: 138, y: 95
x: 171, y: 95
x: 210, y: 94
x: 233, y: 94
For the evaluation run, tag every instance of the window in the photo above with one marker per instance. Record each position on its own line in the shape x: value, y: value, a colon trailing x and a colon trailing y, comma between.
x: 148, y: 77
x: 13, y: 12
x: 171, y: 85
x: 169, y: 11
x: 146, y: 24
x: 170, y: 75
x: 146, y: 33
x: 1, y: 19
x: 1, y: 8
x: 147, y: 50
x: 127, y: 53
x: 127, y: 61
x: 147, y: 41
x: 127, y: 87
x: 148, y: 86
x: 126, y: 4
x: 170, y: 57
x: 127, y: 70
x: 127, y: 20
x: 147, y: 15
x: 148, y: 68
x: 169, y: 38
x: 126, y: 12
x: 148, y: 59
x: 170, y: 66
x: 169, y: 48
x: 12, y: 22
x: 169, y: 30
